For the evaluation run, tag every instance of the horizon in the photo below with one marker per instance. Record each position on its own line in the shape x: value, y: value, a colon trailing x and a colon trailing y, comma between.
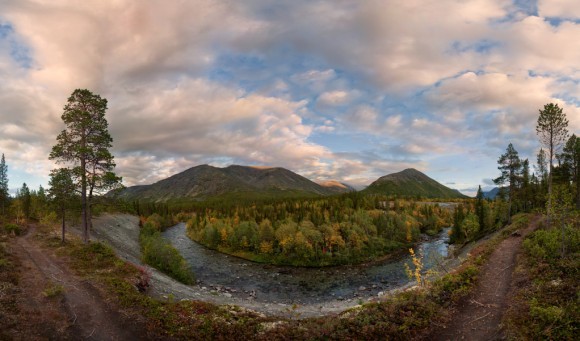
x: 347, y: 91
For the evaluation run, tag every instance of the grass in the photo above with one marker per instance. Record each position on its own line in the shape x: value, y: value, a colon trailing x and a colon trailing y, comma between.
x: 53, y: 290
x: 546, y: 302
x: 406, y: 315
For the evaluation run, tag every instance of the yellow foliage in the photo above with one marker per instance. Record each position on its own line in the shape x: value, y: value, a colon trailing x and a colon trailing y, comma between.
x: 418, y: 265
x: 266, y: 247
x: 223, y: 234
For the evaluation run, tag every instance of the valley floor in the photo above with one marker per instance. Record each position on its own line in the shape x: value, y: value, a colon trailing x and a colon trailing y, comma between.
x: 53, y: 302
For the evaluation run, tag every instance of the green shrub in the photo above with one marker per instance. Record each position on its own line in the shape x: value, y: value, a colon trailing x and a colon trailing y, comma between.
x: 12, y: 229
x: 161, y: 255
x: 97, y: 254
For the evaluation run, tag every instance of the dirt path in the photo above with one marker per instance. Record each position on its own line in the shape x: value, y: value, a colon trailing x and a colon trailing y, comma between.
x: 77, y: 311
x: 478, y: 317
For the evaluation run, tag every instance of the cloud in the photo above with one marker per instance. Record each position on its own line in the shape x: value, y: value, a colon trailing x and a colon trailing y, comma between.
x: 332, y: 89
x: 334, y: 98
x: 559, y: 8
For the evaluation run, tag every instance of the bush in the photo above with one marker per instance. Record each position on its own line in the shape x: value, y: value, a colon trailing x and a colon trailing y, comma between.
x: 12, y: 229
x: 161, y: 255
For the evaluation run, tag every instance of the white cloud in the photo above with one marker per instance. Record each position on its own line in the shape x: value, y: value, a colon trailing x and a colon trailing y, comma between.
x: 335, y: 98
x: 424, y: 79
x: 559, y: 8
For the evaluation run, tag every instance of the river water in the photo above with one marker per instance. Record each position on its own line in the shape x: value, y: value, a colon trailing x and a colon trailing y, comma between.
x: 292, y: 285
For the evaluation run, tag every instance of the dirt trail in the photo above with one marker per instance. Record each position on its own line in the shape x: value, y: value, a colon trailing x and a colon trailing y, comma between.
x: 80, y: 312
x: 478, y: 317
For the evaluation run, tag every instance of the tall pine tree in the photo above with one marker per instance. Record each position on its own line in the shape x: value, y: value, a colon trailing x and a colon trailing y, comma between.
x: 84, y: 145
x: 552, y: 131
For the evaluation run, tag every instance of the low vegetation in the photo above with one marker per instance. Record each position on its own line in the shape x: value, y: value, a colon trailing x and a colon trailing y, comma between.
x: 9, y: 281
x: 545, y: 303
x: 160, y: 254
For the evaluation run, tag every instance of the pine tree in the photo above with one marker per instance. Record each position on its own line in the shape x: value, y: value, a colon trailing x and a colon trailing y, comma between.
x: 24, y: 196
x: 4, y: 194
x: 479, y: 211
x: 571, y: 161
x: 61, y: 191
x: 84, y: 145
x: 509, y: 165
x: 552, y: 132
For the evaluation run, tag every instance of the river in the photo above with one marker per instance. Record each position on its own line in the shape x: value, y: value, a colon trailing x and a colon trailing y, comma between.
x: 294, y: 285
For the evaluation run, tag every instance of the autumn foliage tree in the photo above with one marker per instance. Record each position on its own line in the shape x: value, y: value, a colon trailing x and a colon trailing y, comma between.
x: 84, y: 146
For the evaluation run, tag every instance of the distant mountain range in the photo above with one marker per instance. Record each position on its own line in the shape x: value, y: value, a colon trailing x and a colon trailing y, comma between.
x: 411, y: 182
x: 239, y: 182
x: 491, y: 194
x: 203, y: 182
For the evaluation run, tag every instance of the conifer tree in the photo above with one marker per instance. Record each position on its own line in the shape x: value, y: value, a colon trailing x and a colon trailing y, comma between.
x: 552, y: 132
x: 4, y: 195
x: 479, y: 210
x: 571, y: 161
x: 84, y: 145
x: 26, y: 199
x: 61, y: 191
x: 509, y: 165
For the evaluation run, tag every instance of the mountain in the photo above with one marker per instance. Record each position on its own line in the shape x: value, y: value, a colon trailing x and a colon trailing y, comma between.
x: 336, y: 186
x: 411, y: 182
x: 491, y: 194
x: 203, y: 182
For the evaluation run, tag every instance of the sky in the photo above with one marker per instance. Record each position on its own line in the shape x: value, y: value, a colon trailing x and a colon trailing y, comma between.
x: 333, y: 90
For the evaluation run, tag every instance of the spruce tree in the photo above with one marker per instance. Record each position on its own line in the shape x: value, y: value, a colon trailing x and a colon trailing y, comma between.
x: 479, y: 211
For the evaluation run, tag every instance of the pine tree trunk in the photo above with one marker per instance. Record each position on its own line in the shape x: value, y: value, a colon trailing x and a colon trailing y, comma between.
x: 550, y: 185
x: 84, y: 203
x: 89, y: 215
x: 577, y: 193
x: 63, y: 224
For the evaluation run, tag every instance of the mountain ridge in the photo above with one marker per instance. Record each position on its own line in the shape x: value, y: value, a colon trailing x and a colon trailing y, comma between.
x: 411, y: 182
x: 205, y: 181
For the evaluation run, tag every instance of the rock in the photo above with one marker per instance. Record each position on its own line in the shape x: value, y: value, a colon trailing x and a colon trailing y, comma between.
x: 381, y: 293
x: 361, y: 288
x: 228, y: 295
x: 203, y: 288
